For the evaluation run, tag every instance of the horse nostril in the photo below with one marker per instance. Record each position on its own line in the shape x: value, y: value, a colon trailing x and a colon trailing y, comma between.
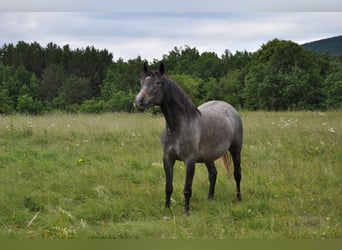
x: 139, y: 101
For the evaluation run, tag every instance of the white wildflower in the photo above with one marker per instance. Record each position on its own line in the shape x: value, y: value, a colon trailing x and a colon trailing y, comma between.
x: 332, y: 130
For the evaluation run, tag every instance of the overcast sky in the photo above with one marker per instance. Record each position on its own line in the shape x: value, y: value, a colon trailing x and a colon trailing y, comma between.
x: 152, y: 32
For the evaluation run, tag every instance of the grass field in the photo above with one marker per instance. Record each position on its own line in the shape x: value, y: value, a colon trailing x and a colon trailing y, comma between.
x: 101, y: 176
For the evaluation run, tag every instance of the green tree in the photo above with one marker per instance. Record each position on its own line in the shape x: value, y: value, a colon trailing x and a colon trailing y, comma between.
x: 182, y: 61
x: 333, y: 85
x: 90, y: 63
x: 232, y: 85
x: 120, y: 101
x: 17, y: 82
x: 122, y: 76
x: 239, y: 60
x: 52, y: 55
x: 6, y: 103
x: 227, y: 88
x: 282, y: 76
x: 30, y: 56
x: 52, y: 81
x: 30, y: 88
x: 28, y: 104
x: 76, y: 90
x: 211, y: 90
x: 208, y: 65
x: 191, y: 85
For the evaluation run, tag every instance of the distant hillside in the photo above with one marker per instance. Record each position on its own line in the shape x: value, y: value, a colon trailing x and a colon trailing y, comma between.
x: 332, y: 46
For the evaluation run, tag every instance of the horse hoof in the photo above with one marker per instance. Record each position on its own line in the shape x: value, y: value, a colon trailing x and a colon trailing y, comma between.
x: 239, y: 197
x: 186, y: 213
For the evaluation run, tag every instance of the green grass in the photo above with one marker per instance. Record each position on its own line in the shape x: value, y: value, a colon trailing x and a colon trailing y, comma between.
x: 101, y: 176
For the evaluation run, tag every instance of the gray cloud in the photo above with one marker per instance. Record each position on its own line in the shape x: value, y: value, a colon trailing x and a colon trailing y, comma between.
x: 152, y: 34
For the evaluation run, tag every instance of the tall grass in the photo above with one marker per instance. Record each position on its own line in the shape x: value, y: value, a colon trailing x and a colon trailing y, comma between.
x: 101, y: 176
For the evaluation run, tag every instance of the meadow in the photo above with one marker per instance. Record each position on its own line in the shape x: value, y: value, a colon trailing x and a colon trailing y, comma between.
x: 101, y: 176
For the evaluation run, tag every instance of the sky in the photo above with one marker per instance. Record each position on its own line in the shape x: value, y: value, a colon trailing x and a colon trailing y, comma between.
x: 150, y: 30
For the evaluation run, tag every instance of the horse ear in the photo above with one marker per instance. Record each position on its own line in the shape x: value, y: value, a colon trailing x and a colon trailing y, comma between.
x: 145, y: 67
x: 161, y: 68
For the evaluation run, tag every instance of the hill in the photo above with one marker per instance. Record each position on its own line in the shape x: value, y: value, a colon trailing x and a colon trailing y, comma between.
x: 332, y: 46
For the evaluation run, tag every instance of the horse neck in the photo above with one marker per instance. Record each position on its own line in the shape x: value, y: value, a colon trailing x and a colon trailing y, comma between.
x: 174, y: 116
x: 178, y: 110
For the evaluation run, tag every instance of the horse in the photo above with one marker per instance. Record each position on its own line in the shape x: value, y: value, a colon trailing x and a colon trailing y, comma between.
x: 192, y: 134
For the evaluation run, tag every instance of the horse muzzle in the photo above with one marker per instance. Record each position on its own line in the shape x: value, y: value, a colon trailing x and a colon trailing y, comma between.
x: 139, y: 102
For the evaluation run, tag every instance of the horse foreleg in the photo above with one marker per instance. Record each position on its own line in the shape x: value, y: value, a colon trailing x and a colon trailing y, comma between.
x: 212, y: 173
x: 190, y: 171
x: 168, y: 168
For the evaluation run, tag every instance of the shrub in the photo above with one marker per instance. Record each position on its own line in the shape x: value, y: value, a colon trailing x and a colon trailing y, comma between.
x: 92, y: 106
x: 6, y: 104
x: 120, y: 101
x: 27, y: 104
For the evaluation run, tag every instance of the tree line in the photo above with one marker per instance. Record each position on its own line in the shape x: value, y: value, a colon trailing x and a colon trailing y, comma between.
x: 281, y: 75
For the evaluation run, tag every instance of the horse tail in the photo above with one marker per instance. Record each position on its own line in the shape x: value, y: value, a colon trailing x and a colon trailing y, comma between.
x: 226, y: 159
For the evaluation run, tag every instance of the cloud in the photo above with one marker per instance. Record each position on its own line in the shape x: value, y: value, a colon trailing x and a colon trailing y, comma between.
x: 150, y: 34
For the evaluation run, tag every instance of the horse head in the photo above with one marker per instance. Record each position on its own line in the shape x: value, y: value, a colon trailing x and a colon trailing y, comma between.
x: 151, y: 88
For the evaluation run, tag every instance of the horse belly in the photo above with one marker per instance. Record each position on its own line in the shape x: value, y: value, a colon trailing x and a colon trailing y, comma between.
x: 216, y: 134
x: 213, y: 146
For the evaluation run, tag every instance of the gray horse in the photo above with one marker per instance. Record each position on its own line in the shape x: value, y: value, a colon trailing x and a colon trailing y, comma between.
x: 192, y: 135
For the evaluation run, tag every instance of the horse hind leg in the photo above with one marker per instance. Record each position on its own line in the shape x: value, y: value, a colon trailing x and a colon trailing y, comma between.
x: 236, y: 155
x: 212, y: 174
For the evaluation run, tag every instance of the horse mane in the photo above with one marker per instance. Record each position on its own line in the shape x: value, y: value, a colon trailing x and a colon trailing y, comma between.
x: 174, y: 93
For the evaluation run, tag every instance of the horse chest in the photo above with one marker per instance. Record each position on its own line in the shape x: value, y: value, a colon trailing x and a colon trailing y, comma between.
x: 179, y: 147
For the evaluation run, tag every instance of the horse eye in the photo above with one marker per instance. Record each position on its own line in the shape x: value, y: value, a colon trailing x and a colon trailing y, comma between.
x: 158, y: 82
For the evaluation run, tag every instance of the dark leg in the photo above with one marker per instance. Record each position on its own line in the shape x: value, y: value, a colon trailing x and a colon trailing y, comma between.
x: 236, y: 155
x: 190, y: 171
x: 212, y: 173
x: 168, y: 168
